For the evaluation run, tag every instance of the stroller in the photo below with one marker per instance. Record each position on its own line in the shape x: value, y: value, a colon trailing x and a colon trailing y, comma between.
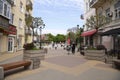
x: 68, y: 49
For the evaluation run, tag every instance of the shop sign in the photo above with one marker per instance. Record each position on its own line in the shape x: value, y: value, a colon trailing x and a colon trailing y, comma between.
x: 12, y: 30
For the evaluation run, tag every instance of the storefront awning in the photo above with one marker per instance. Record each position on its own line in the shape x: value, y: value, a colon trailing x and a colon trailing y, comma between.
x: 111, y: 32
x: 89, y: 33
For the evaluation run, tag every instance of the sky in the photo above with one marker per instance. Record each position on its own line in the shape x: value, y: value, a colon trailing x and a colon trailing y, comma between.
x: 59, y: 15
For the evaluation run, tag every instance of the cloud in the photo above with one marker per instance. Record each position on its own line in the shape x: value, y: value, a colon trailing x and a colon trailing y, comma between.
x: 78, y: 4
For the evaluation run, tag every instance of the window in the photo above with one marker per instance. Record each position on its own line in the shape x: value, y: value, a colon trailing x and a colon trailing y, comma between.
x: 19, y: 42
x: 117, y: 10
x: 21, y: 6
x: 8, y: 12
x: 108, y: 12
x: 14, y: 2
x: 11, y: 18
x: 5, y: 9
x: 1, y: 6
x: 20, y: 23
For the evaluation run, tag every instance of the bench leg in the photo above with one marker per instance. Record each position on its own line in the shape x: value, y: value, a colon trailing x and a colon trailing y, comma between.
x: 1, y: 73
x: 26, y: 67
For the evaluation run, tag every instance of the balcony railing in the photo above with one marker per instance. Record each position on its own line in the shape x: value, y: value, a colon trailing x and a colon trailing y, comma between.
x: 4, y: 22
x: 96, y: 3
x: 28, y: 32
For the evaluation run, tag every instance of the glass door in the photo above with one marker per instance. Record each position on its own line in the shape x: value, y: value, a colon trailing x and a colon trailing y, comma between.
x: 10, y: 44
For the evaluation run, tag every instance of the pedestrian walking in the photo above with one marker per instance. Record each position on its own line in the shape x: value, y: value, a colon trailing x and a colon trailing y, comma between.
x: 73, y: 48
x: 68, y: 48
x: 55, y: 46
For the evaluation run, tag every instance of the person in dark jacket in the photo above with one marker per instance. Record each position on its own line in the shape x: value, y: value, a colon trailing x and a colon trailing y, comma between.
x: 73, y: 48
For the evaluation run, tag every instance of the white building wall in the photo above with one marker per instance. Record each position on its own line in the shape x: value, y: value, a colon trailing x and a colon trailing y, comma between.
x: 88, y: 13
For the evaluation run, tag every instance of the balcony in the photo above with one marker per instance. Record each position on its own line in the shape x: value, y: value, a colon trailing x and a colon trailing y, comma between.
x: 4, y: 23
x: 96, y: 3
x: 28, y: 32
x: 29, y: 5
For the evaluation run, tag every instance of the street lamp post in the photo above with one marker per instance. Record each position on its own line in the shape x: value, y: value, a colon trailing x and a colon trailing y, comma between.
x: 38, y: 23
x: 41, y: 27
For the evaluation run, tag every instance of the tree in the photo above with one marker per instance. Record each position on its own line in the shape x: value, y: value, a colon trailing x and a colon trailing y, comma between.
x: 28, y: 17
x: 71, y: 36
x: 36, y: 23
x: 95, y: 22
x: 79, y: 39
x: 59, y: 38
x: 50, y: 37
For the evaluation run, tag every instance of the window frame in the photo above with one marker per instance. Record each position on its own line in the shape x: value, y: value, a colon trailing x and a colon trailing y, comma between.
x: 21, y: 6
x: 20, y: 23
x: 117, y: 10
x: 5, y: 12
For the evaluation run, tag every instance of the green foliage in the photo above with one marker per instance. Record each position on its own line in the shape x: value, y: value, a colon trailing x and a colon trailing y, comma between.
x: 72, y: 36
x: 91, y: 48
x: 28, y: 20
x: 95, y: 22
x: 57, y: 38
x: 29, y: 6
x: 34, y: 48
x: 50, y: 37
x: 28, y: 46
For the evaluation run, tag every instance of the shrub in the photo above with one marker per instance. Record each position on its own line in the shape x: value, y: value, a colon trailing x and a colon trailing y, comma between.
x: 28, y: 46
x: 100, y: 47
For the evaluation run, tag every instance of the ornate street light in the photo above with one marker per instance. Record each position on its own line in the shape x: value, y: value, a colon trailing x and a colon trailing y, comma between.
x: 41, y: 27
x: 38, y: 23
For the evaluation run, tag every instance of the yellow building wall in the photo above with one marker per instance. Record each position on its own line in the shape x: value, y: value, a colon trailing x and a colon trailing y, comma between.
x: 19, y: 15
x: 29, y: 40
x: 4, y: 43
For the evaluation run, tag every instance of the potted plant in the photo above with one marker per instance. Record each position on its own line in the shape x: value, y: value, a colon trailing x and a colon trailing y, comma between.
x: 95, y: 53
x: 33, y: 54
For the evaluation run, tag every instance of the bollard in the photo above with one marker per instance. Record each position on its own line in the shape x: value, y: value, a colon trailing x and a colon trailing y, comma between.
x: 1, y: 73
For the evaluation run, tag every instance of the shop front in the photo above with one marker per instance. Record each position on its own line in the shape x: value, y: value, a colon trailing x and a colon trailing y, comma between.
x: 115, y: 40
x: 4, y: 23
x: 89, y: 37
x: 12, y: 44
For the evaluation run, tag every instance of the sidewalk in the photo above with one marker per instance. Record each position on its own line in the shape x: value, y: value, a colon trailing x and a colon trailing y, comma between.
x: 7, y: 56
x: 60, y: 66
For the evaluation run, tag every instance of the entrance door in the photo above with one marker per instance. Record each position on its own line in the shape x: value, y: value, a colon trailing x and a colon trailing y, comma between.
x: 10, y: 44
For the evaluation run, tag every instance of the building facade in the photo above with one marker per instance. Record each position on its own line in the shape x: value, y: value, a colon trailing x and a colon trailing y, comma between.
x: 28, y: 21
x: 5, y: 12
x: 89, y: 40
x: 12, y: 25
x: 111, y: 27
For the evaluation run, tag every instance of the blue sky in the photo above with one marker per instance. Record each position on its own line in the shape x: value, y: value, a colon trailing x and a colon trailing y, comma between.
x: 59, y: 15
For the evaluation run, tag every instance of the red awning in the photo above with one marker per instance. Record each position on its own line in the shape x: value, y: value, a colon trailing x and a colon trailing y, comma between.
x: 89, y: 33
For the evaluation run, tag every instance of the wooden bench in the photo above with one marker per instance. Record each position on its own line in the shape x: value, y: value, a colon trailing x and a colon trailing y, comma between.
x: 14, y: 65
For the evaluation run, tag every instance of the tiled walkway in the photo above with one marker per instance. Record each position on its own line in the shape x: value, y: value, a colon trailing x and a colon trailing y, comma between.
x: 60, y: 66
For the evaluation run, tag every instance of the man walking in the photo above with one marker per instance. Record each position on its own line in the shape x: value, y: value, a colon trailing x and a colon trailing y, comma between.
x: 73, y: 48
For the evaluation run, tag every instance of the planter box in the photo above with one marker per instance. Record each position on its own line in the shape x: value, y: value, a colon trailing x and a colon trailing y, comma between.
x: 116, y: 63
x: 35, y: 56
x: 95, y: 54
